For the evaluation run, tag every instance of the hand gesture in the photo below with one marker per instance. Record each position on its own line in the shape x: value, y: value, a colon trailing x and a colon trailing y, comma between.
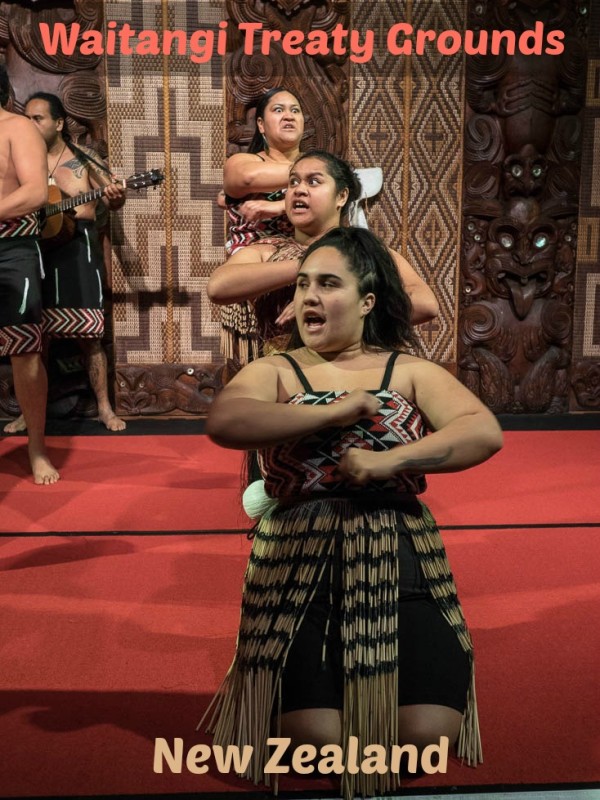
x: 359, y: 466
x: 254, y: 210
x: 357, y: 405
x: 115, y: 195
x: 287, y: 315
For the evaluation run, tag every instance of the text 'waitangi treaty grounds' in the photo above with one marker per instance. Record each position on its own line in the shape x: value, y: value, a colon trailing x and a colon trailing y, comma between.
x: 201, y: 45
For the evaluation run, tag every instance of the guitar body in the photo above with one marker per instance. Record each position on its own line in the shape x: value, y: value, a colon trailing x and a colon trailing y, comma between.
x: 57, y: 218
x: 58, y: 228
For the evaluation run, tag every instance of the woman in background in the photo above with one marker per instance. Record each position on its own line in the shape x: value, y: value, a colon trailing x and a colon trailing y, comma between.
x: 253, y: 182
x: 253, y: 196
x: 321, y: 187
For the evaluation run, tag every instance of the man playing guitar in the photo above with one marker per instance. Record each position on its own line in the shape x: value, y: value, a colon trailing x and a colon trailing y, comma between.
x: 74, y: 271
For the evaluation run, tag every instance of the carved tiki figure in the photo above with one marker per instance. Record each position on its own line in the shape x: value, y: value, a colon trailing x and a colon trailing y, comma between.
x: 516, y: 334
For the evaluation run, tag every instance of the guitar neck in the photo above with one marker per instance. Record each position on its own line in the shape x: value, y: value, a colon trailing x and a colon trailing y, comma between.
x: 140, y: 181
x: 72, y: 202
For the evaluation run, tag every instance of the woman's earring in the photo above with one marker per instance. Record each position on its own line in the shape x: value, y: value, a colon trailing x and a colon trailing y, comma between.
x: 266, y: 144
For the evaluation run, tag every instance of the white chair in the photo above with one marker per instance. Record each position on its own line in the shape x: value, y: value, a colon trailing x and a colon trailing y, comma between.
x: 371, y: 180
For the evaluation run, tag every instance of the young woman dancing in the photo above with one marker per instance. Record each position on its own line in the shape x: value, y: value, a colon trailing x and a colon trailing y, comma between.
x: 350, y: 624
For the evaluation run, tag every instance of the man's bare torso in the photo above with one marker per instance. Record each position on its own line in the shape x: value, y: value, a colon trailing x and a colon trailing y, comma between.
x: 9, y: 127
x: 71, y: 175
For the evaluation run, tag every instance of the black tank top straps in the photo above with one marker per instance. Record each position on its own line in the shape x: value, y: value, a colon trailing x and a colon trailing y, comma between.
x: 389, y: 368
x: 385, y: 383
x: 299, y: 374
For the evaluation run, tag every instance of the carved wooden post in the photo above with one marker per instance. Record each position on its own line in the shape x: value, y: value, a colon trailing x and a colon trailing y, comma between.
x: 321, y: 83
x: 521, y: 185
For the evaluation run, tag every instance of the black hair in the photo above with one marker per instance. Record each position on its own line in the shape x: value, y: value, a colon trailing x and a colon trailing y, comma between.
x: 341, y: 171
x: 258, y: 142
x: 4, y: 86
x: 57, y: 110
x: 387, y: 325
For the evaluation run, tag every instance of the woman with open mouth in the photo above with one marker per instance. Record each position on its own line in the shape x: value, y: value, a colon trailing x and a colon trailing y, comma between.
x: 254, y: 184
x: 351, y: 632
x: 321, y: 188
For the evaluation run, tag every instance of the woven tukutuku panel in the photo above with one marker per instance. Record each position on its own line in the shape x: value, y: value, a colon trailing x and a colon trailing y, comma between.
x: 167, y: 111
x: 407, y: 119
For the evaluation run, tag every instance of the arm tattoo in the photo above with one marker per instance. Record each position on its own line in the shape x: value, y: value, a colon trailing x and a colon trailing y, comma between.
x: 427, y: 463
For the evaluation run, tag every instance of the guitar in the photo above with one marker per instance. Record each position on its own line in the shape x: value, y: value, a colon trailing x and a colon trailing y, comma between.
x: 58, y: 225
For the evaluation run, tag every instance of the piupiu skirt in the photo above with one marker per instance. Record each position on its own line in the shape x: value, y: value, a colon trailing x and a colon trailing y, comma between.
x: 360, y: 586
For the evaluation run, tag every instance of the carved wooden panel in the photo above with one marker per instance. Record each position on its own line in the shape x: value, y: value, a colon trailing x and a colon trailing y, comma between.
x: 168, y: 389
x: 321, y: 83
x: 523, y: 137
x: 585, y: 371
x: 167, y: 112
x: 78, y: 80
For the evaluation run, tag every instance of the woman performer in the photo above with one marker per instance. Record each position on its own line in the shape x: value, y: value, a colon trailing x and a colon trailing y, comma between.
x: 253, y: 184
x: 321, y: 188
x: 350, y: 622
x: 254, y: 181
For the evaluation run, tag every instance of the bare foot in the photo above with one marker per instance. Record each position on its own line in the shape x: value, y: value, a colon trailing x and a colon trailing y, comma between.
x: 16, y: 425
x: 43, y: 472
x: 112, y: 422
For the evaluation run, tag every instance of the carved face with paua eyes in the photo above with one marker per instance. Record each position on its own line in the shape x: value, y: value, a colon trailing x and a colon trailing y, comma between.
x: 520, y: 258
x: 165, y: 388
x: 586, y: 385
x: 524, y: 173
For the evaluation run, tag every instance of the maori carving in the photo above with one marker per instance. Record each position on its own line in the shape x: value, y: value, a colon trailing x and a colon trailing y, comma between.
x: 585, y: 381
x: 168, y: 389
x: 321, y: 82
x: 8, y: 403
x: 522, y: 146
x: 77, y: 79
x: 69, y: 392
x: 23, y: 25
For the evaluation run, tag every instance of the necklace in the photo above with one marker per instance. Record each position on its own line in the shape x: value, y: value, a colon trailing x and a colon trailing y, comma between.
x: 50, y: 174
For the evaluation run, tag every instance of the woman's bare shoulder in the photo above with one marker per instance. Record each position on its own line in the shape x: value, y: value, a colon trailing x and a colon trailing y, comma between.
x: 242, y: 158
x: 419, y: 365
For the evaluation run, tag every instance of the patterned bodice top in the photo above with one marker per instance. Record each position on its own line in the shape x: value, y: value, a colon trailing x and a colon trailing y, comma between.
x: 269, y: 305
x: 242, y: 233
x: 309, y: 465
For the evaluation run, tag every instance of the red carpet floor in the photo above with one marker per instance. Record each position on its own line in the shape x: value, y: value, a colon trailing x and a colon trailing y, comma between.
x: 109, y: 642
x: 163, y: 483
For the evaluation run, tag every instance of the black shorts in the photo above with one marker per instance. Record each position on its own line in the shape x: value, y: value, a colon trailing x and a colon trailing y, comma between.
x: 72, y: 287
x: 433, y: 668
x: 20, y: 296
